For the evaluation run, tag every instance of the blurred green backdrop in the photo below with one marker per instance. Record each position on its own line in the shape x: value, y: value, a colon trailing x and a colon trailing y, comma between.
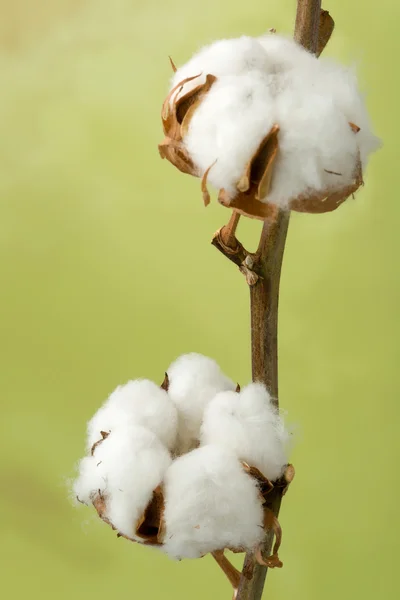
x: 107, y: 273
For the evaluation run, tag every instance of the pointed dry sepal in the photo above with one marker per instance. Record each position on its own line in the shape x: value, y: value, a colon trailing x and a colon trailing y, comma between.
x: 165, y: 383
x: 104, y: 435
x: 326, y: 27
x: 172, y: 64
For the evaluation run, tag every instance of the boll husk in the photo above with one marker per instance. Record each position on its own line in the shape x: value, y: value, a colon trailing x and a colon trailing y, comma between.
x: 268, y: 125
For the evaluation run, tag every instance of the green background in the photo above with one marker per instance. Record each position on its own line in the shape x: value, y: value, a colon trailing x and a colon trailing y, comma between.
x: 107, y: 273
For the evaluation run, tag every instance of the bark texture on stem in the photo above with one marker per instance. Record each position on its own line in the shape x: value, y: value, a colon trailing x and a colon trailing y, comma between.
x: 307, y: 23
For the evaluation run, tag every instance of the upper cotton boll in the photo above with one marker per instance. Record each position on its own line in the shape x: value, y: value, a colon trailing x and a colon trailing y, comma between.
x: 138, y: 402
x: 248, y: 425
x: 211, y: 504
x: 273, y: 81
x: 194, y: 380
x: 125, y: 469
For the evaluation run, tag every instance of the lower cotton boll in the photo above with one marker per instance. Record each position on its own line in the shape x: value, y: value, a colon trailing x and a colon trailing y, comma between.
x: 125, y: 469
x: 250, y: 427
x: 211, y: 504
x: 194, y: 380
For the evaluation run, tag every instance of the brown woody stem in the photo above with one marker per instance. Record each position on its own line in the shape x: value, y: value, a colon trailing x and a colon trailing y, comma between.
x: 266, y: 263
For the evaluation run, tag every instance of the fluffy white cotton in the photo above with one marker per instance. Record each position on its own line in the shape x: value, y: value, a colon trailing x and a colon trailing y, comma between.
x: 194, y: 380
x: 139, y: 402
x: 273, y: 80
x: 234, y: 105
x: 125, y: 469
x: 224, y: 57
x: 211, y: 503
x: 250, y: 427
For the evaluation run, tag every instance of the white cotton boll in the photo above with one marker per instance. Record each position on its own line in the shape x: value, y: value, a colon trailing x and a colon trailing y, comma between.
x: 273, y: 80
x: 125, y: 469
x: 194, y: 380
x: 211, y: 503
x: 228, y: 126
x: 249, y: 426
x: 138, y: 402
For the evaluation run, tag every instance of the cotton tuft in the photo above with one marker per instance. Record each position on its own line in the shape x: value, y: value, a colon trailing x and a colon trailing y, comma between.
x: 194, y: 380
x: 211, y: 504
x: 273, y: 80
x: 139, y: 402
x: 125, y: 469
x: 248, y: 425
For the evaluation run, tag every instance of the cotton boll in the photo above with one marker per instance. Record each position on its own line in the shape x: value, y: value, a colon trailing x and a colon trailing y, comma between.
x: 211, y: 503
x: 194, y: 380
x: 125, y: 469
x: 271, y: 81
x: 138, y: 402
x: 228, y: 126
x: 249, y: 426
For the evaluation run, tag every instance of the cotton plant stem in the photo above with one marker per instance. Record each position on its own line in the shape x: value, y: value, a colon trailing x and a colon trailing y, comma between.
x: 264, y: 298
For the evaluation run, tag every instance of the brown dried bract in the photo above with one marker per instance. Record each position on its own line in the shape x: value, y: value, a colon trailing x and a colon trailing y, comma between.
x: 165, y: 383
x: 177, y: 111
x: 104, y: 436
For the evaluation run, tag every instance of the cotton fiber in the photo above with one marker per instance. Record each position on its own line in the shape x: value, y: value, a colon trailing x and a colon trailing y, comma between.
x: 125, y: 469
x: 194, y: 380
x: 211, y: 504
x: 138, y: 402
x: 248, y: 425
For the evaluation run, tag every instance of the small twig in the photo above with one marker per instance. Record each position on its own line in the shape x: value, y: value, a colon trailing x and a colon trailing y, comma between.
x: 225, y: 241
